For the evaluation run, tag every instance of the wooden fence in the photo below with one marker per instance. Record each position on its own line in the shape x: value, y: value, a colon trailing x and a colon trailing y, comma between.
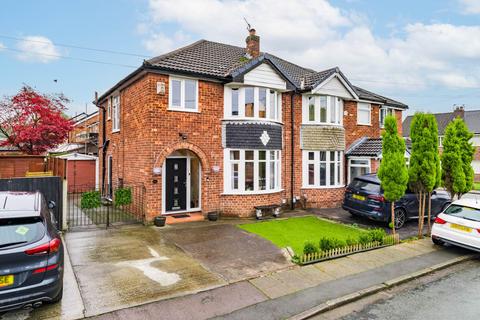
x: 344, y: 251
x: 19, y: 166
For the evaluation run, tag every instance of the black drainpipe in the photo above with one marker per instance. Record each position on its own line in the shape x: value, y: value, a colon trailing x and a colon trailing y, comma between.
x: 104, y: 134
x: 292, y: 165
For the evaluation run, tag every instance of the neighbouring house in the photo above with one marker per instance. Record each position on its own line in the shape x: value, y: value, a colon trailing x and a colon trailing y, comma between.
x: 472, y: 120
x: 213, y: 126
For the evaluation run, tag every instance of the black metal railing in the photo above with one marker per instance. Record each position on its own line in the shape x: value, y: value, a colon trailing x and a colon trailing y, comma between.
x: 87, y: 206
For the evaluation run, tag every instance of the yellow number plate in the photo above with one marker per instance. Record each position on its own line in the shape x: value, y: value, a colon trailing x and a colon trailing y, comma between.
x: 6, y: 280
x: 459, y: 227
x: 358, y: 197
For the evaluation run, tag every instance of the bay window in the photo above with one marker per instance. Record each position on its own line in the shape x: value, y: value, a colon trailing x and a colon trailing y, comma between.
x: 252, y: 102
x: 322, y: 169
x: 364, y: 116
x: 251, y: 171
x: 384, y: 112
x: 321, y: 109
x: 183, y: 94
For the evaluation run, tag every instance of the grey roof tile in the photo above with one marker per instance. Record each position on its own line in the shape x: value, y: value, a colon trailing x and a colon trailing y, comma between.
x: 371, y: 147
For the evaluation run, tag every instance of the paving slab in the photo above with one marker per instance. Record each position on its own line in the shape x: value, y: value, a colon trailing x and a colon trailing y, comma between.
x: 229, y: 251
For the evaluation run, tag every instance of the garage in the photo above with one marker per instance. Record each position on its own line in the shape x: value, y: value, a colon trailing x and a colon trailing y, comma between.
x: 82, y: 172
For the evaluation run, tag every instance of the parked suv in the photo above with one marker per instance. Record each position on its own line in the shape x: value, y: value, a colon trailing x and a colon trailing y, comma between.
x: 364, y: 197
x: 31, y: 251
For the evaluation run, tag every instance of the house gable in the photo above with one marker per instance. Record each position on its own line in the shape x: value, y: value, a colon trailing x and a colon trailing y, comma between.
x: 265, y: 76
x: 335, y: 86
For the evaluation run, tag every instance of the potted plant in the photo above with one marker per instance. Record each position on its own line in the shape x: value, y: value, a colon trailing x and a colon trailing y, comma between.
x: 212, y: 215
x: 159, y: 221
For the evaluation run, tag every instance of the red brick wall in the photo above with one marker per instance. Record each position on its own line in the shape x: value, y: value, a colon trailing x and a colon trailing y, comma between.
x: 354, y: 131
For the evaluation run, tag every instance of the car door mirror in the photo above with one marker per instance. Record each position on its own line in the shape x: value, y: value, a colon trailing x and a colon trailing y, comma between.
x: 51, y: 204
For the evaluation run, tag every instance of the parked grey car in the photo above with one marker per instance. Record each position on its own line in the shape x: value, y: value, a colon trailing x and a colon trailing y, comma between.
x: 31, y: 252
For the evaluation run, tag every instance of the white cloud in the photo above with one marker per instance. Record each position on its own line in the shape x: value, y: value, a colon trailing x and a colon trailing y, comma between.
x: 37, y: 49
x: 470, y: 6
x: 2, y: 46
x: 318, y: 35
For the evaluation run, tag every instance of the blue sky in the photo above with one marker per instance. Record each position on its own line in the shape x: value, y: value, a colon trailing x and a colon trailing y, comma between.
x: 424, y: 53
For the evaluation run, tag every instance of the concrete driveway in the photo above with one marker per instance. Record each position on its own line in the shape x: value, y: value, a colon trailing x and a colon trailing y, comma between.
x: 228, y: 251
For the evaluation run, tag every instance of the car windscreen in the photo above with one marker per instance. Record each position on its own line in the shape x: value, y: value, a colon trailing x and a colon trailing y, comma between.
x: 365, y: 186
x: 22, y: 231
x: 463, y: 212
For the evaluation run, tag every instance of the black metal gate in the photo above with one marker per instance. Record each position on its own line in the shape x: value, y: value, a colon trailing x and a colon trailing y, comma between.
x: 87, y: 207
x: 50, y: 187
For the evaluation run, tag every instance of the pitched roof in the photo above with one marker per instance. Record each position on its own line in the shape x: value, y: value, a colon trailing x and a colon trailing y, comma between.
x: 471, y: 117
x: 368, y: 95
x: 370, y: 147
x: 224, y: 61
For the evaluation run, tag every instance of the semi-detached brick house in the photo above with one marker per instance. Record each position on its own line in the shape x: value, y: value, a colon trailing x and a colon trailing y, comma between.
x: 212, y: 126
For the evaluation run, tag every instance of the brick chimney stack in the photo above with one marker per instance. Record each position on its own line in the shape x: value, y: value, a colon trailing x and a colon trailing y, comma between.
x: 253, y: 44
x: 459, y: 112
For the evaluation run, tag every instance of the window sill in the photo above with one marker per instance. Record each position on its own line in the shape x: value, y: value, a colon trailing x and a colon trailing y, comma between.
x: 364, y: 124
x: 252, y: 119
x: 116, y: 131
x: 251, y: 193
x: 183, y: 110
x: 323, y: 187
x: 323, y: 124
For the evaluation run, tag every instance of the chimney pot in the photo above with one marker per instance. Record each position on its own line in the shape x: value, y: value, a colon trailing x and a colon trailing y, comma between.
x: 253, y: 44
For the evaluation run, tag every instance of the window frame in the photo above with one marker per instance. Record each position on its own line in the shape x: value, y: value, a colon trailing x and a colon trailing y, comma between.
x: 333, y: 111
x: 228, y: 172
x: 270, y: 109
x: 364, y: 106
x: 109, y: 108
x: 337, y: 164
x: 386, y: 110
x: 182, y: 106
x: 368, y: 165
x: 116, y: 113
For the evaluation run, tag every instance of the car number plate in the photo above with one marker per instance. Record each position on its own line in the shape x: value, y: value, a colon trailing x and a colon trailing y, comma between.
x: 460, y: 227
x: 6, y: 281
x: 358, y: 197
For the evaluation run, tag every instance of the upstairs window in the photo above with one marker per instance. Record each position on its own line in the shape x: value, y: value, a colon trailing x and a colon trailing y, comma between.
x: 364, y: 111
x: 116, y: 114
x: 252, y: 102
x: 384, y: 112
x: 320, y: 109
x: 109, y: 108
x: 183, y: 94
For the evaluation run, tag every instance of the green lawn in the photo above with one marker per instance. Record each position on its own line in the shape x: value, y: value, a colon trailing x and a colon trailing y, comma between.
x: 294, y: 232
x: 476, y: 186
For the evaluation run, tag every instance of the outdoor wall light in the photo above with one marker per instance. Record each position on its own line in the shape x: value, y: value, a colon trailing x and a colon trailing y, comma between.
x: 157, y: 171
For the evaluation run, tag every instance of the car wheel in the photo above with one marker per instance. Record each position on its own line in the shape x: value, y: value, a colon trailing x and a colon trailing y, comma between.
x: 352, y: 213
x: 438, y: 242
x: 400, y: 218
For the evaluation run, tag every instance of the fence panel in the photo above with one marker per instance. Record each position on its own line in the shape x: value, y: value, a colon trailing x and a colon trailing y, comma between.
x: 50, y: 187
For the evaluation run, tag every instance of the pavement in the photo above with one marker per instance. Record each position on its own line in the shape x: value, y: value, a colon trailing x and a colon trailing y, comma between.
x: 288, y: 293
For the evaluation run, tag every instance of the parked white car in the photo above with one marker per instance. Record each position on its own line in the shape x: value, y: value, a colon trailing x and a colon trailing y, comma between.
x: 459, y: 225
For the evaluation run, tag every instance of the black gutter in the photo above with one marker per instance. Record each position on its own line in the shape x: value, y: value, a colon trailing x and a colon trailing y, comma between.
x: 292, y: 166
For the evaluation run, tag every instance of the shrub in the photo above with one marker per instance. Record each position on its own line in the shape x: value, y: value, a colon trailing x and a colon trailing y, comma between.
x: 378, y: 234
x: 123, y: 196
x: 326, y: 244
x: 351, y: 241
x: 90, y: 200
x: 309, y: 248
x: 365, y: 238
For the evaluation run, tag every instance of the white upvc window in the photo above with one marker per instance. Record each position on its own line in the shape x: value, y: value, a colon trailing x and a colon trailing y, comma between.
x: 257, y: 103
x: 183, y: 94
x: 251, y: 171
x: 322, y: 169
x: 364, y: 113
x: 116, y: 113
x: 322, y: 109
x: 358, y: 167
x: 384, y: 112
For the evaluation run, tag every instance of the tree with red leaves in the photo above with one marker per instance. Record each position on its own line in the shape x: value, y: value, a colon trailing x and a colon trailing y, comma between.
x: 33, y: 122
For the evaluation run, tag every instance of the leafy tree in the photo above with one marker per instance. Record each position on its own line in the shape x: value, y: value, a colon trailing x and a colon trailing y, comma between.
x: 32, y: 121
x: 457, y: 156
x: 423, y: 170
x: 393, y: 171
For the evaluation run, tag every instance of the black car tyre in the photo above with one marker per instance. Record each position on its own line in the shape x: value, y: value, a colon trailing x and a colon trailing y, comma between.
x: 400, y: 218
x: 58, y: 297
x: 352, y: 213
